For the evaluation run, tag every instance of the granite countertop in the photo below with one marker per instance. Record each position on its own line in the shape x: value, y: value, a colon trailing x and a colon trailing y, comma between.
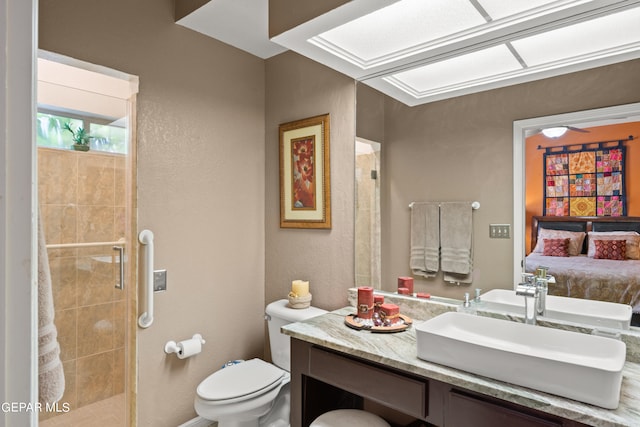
x: 399, y: 350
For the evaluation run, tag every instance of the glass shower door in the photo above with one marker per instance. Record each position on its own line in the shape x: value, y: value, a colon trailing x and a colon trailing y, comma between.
x: 85, y: 201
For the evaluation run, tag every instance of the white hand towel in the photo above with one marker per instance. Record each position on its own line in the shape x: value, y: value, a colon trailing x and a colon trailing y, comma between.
x: 425, y: 239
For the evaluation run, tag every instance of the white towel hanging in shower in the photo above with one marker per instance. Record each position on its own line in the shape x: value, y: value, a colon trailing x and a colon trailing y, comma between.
x: 50, y: 374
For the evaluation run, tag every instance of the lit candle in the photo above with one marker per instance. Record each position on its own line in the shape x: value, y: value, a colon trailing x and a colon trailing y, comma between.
x: 300, y: 288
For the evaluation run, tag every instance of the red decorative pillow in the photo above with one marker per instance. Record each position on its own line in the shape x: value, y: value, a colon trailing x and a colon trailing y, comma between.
x: 556, y: 247
x: 611, y: 249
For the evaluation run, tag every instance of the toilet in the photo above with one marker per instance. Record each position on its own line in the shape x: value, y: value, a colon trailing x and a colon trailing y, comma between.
x: 256, y: 393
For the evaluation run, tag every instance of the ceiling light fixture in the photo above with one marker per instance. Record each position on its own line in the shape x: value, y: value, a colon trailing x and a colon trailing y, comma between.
x: 554, y: 132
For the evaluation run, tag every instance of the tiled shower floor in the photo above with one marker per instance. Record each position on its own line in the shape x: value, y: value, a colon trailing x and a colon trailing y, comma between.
x: 105, y: 413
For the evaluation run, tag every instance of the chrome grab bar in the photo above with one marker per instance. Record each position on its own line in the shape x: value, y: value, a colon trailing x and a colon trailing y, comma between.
x: 120, y: 250
x: 146, y: 238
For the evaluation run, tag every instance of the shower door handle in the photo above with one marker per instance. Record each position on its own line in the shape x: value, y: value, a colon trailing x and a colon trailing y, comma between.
x: 120, y: 250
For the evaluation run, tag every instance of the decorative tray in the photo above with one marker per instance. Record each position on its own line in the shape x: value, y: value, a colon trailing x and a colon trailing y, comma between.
x: 351, y: 320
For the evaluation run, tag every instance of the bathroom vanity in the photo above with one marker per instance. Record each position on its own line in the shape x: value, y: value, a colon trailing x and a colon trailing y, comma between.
x: 334, y: 366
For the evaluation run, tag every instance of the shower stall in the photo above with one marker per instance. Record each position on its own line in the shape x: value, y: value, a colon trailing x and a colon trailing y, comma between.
x: 87, y: 214
x: 367, y: 214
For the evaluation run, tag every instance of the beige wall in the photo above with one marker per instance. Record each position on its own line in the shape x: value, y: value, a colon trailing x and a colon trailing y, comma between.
x: 201, y: 160
x: 298, y: 88
x: 287, y: 14
x: 369, y: 113
x: 185, y: 7
x: 462, y: 149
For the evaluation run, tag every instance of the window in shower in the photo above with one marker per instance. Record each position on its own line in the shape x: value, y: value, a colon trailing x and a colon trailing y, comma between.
x: 107, y: 134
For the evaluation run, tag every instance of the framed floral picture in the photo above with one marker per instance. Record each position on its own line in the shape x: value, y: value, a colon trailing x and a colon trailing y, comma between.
x: 305, y: 193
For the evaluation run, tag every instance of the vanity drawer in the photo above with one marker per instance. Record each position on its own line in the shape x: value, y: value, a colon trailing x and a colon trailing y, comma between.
x: 403, y: 393
x: 466, y: 410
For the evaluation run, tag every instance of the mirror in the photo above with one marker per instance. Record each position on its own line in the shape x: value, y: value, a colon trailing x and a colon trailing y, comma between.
x: 527, y: 205
x: 370, y: 121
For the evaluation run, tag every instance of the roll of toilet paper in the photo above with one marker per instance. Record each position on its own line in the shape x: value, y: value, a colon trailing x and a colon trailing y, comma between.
x: 188, y: 348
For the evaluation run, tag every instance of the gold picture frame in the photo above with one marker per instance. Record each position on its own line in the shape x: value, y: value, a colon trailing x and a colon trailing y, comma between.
x: 305, y: 189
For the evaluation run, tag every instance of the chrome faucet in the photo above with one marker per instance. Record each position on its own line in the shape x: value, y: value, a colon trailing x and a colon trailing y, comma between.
x: 541, y: 300
x: 531, y: 295
x: 534, y: 289
x: 542, y: 283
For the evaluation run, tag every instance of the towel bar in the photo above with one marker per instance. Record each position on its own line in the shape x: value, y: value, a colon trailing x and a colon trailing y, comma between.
x: 474, y: 205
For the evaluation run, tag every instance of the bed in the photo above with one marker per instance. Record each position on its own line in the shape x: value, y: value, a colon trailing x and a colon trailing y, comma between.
x: 588, y: 271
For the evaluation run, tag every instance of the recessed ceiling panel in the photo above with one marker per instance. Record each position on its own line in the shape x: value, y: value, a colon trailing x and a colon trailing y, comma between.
x: 499, y: 9
x: 419, y: 51
x: 390, y: 31
x: 413, y: 26
x: 600, y: 36
x: 462, y: 71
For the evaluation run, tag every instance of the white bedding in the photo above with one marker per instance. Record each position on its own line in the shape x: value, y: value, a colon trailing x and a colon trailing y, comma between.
x: 585, y: 277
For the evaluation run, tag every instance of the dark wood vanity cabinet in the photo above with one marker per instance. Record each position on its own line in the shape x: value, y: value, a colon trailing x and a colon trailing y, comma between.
x: 464, y: 410
x: 322, y: 380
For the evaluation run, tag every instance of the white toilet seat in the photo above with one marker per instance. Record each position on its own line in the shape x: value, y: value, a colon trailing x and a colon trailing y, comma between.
x: 240, y: 382
x: 349, y: 418
x: 238, y: 396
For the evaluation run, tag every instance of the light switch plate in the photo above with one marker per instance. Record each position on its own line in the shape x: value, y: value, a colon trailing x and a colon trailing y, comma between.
x: 159, y: 280
x: 500, y: 231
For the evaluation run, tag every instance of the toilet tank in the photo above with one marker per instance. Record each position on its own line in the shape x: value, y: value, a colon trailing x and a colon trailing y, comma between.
x: 279, y: 314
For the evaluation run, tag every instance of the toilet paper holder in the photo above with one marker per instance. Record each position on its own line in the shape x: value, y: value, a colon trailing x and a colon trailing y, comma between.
x: 173, y: 347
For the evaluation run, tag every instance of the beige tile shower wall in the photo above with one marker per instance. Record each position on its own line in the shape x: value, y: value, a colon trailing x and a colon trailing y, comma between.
x: 366, y: 222
x: 81, y: 201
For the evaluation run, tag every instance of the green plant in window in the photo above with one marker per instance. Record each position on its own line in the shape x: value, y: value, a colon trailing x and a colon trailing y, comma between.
x: 80, y: 136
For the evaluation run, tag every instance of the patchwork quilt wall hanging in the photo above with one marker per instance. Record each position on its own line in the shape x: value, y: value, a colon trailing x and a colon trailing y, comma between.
x: 585, y: 181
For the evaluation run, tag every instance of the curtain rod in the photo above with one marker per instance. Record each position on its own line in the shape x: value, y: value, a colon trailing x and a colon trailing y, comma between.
x: 630, y: 138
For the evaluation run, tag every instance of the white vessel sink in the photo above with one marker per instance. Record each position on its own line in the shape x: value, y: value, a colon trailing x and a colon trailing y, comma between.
x: 583, y: 367
x: 591, y: 312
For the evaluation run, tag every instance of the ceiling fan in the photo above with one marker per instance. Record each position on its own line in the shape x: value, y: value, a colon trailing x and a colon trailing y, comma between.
x: 558, y: 131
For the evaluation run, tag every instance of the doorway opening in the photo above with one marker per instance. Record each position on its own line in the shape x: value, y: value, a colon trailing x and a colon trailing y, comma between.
x: 367, y: 221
